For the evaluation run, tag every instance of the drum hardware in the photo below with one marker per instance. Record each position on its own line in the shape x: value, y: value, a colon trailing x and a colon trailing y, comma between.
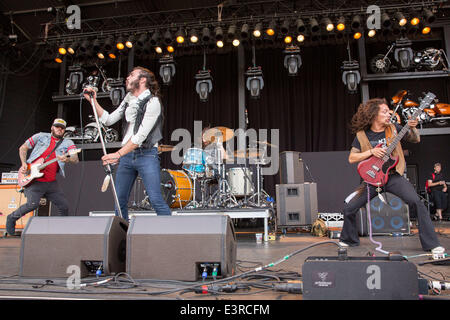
x: 165, y: 148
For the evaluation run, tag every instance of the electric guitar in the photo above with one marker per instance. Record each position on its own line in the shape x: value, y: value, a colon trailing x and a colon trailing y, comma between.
x: 34, y: 169
x: 374, y: 170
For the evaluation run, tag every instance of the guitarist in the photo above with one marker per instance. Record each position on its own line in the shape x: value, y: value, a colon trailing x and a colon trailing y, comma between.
x: 372, y: 126
x: 47, y: 146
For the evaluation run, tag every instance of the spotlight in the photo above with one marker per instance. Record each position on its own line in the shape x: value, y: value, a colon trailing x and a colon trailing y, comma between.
x: 372, y: 33
x: 415, y: 20
x: 75, y: 80
x: 119, y: 43
x: 62, y: 50
x: 270, y: 31
x: 193, y: 36
x: 285, y: 27
x: 257, y: 30
x: 158, y: 49
x: 385, y: 20
x: 400, y: 18
x: 292, y: 60
x: 112, y: 55
x: 255, y: 81
x: 141, y: 40
x: 85, y: 45
x: 170, y: 49
x: 231, y: 31
x: 108, y: 44
x: 117, y: 91
x: 356, y: 22
x: 167, y: 37
x: 341, y: 23
x: 429, y: 16
x: 100, y: 55
x: 129, y: 42
x: 236, y: 42
x: 300, y: 26
x: 413, y: 29
x: 179, y: 36
x: 155, y: 38
x: 219, y: 43
x: 244, y: 31
x: 59, y: 58
x: 350, y: 75
x: 206, y: 34
x: 73, y: 47
x: 96, y: 45
x: 167, y: 69
x: 219, y: 33
x: 300, y: 38
x: 426, y: 30
x: 328, y: 24
x: 314, y: 25
x: 357, y: 35
x: 204, y: 84
x: 403, y: 53
x: 287, y: 39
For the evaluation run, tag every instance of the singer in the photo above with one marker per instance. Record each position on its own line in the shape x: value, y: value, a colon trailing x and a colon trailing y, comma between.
x: 143, y: 115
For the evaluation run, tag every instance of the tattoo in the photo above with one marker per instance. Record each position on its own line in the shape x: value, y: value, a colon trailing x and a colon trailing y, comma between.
x: 413, y: 135
x: 23, y: 154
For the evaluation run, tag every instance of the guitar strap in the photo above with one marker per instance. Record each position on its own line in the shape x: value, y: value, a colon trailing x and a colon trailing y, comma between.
x: 56, y: 146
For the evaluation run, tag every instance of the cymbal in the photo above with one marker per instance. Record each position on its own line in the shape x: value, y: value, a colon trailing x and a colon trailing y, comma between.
x: 222, y: 133
x: 266, y: 143
x: 249, y: 153
x: 165, y: 148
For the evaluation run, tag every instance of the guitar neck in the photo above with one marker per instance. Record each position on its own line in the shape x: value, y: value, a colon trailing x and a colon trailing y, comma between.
x: 396, y: 140
x: 44, y: 165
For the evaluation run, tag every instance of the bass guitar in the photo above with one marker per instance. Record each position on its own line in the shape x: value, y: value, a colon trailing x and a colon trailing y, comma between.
x: 374, y: 170
x: 34, y: 169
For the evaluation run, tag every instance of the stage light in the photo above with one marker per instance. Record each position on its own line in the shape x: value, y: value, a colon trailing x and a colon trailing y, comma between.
x: 403, y: 53
x: 328, y: 24
x: 255, y: 81
x: 292, y: 60
x: 170, y: 49
x: 85, y: 45
x: 179, y: 36
x: 167, y: 37
x: 167, y: 69
x: 75, y: 80
x: 96, y: 45
x: 119, y: 43
x: 236, y: 42
x: 270, y: 31
x: 62, y: 50
x: 426, y: 30
x: 58, y: 58
x: 112, y: 55
x: 301, y: 28
x: 372, y: 33
x: 350, y: 75
x: 204, y: 84
x: 356, y: 22
x: 231, y: 31
x: 401, y: 20
x: 108, y: 44
x: 287, y: 39
x: 385, y: 20
x: 357, y: 35
x: 300, y: 38
x: 257, y: 30
x: 72, y: 48
x: 193, y: 36
x: 413, y: 29
x: 285, y: 27
x: 219, y: 43
x: 141, y: 40
x: 244, y: 31
x: 155, y: 38
x: 129, y: 42
x: 429, y: 16
x: 158, y: 49
x: 341, y: 23
x: 415, y: 20
x: 219, y: 33
x: 117, y: 91
x: 100, y: 55
x: 206, y: 34
x: 314, y: 25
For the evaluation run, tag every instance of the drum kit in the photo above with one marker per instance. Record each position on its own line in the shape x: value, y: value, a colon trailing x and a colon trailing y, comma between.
x: 205, y: 182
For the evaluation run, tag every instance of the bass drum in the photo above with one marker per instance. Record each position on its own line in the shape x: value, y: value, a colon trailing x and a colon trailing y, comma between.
x: 176, y: 188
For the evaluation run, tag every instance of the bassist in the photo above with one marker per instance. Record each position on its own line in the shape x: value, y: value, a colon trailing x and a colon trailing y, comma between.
x: 47, y: 146
x: 372, y: 126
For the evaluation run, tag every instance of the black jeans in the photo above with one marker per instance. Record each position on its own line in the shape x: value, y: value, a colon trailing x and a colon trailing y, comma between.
x: 34, y: 193
x: 439, y: 199
x: 404, y: 190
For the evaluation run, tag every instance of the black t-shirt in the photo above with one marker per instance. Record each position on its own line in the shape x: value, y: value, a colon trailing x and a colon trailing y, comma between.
x: 437, y: 177
x: 375, y: 138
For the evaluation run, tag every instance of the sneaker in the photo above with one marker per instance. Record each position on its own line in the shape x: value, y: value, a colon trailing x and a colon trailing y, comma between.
x: 438, y: 250
x: 343, y: 244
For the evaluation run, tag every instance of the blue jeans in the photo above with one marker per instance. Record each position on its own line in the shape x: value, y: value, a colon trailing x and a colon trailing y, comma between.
x: 144, y: 162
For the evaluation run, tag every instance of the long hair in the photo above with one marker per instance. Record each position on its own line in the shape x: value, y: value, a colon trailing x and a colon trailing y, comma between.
x: 151, y: 82
x: 366, y: 114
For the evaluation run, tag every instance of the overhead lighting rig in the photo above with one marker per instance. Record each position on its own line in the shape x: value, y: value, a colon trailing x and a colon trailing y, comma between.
x: 167, y: 69
x: 292, y: 60
x: 204, y: 81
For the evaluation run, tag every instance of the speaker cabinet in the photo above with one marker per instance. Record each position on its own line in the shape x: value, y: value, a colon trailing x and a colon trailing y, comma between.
x: 291, y: 168
x: 296, y: 204
x: 180, y: 247
x: 387, y: 218
x: 359, y: 278
x: 10, y: 200
x: 51, y: 244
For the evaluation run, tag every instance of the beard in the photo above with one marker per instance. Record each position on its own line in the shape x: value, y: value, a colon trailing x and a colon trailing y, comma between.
x: 56, y: 135
x: 133, y: 86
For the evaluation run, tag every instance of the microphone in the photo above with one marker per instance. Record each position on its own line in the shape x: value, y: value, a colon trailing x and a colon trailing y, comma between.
x: 106, y: 183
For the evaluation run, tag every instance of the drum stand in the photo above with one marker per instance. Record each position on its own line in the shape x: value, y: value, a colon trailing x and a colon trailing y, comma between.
x: 193, y: 204
x: 260, y: 191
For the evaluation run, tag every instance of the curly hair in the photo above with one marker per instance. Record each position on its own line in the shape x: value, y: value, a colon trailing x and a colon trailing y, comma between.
x: 366, y: 113
x: 151, y: 82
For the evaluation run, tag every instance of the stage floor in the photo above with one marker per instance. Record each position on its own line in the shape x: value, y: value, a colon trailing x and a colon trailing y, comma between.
x: 250, y: 255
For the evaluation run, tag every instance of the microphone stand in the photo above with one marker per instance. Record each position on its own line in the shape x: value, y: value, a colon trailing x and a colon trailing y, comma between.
x: 108, y: 169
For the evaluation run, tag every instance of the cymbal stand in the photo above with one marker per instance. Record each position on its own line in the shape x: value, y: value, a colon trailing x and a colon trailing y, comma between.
x: 193, y: 204
x: 259, y: 181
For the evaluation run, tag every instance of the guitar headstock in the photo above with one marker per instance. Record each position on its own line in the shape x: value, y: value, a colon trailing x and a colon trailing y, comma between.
x: 427, y: 100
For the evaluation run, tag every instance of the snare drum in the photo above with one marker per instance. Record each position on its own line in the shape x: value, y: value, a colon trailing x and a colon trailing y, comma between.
x: 194, y: 160
x: 176, y: 188
x: 240, y: 181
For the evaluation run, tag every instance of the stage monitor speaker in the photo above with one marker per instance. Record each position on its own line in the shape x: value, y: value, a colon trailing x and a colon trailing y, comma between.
x: 296, y: 204
x: 181, y: 247
x: 359, y: 278
x: 291, y: 168
x: 10, y: 200
x: 387, y: 218
x: 51, y: 244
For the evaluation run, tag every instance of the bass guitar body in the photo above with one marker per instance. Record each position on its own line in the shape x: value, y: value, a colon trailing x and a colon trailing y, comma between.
x: 375, y: 171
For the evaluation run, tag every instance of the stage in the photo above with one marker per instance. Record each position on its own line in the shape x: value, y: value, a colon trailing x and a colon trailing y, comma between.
x: 258, y: 286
